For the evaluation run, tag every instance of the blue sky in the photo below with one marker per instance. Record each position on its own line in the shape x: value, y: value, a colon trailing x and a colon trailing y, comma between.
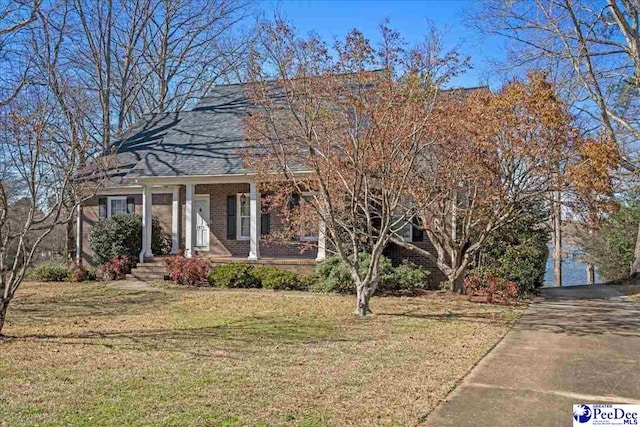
x: 331, y: 19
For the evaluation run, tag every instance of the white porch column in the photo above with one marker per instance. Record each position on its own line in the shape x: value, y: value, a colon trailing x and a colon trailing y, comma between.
x: 254, y: 222
x: 175, y: 242
x: 146, y: 224
x: 188, y: 231
x: 322, y: 241
x: 79, y: 235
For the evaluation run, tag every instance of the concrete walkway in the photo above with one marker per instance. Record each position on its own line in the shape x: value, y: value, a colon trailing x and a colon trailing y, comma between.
x: 575, y: 345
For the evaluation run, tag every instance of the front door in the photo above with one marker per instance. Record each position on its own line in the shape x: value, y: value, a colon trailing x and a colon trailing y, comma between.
x: 202, y: 222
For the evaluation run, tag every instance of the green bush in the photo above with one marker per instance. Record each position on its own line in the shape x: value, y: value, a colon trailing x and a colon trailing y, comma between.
x: 610, y: 249
x: 333, y: 276
x: 234, y: 276
x: 51, y: 272
x: 278, y: 279
x: 406, y: 278
x: 91, y: 274
x: 121, y: 235
x: 518, y: 252
x: 309, y: 282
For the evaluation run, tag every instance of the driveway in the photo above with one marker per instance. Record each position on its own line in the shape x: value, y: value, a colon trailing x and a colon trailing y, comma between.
x: 574, y: 345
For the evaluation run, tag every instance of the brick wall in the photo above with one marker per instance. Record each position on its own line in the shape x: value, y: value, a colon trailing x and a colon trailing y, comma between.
x: 218, y: 243
x: 219, y: 246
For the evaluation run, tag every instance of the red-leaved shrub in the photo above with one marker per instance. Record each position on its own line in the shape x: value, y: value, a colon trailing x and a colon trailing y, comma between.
x: 77, y: 272
x: 494, y: 288
x: 115, y: 269
x: 187, y: 271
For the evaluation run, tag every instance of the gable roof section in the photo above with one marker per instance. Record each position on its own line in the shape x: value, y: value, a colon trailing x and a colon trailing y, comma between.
x: 207, y: 140
x: 202, y: 141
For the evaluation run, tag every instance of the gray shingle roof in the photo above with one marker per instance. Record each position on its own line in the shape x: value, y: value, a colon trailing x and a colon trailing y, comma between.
x: 207, y: 140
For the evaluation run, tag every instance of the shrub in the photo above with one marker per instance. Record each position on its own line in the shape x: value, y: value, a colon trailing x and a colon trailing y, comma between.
x: 122, y: 235
x: 160, y: 241
x: 187, y: 271
x: 406, y: 278
x: 91, y: 274
x: 333, y: 276
x: 234, y: 276
x: 277, y: 279
x: 494, y: 288
x: 115, y: 269
x: 611, y: 247
x: 51, y: 272
x: 77, y: 272
x: 309, y: 282
x: 518, y: 252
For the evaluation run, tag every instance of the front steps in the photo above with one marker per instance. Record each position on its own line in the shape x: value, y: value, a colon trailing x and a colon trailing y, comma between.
x: 151, y: 271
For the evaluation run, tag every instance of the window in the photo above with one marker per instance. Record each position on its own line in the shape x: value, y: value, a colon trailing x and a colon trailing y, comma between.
x: 308, y: 224
x: 406, y: 232
x: 116, y: 206
x: 244, y: 217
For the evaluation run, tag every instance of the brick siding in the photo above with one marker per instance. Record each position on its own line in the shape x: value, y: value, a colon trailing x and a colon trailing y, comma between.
x: 221, y: 247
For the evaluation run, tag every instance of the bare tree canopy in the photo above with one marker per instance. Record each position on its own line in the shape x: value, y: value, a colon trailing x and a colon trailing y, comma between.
x: 74, y: 75
x: 593, y: 48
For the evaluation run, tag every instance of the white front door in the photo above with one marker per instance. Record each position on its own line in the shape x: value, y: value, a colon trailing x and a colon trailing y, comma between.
x: 201, y: 205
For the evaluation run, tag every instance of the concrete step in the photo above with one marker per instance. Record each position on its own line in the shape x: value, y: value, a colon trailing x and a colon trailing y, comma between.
x: 143, y: 268
x: 150, y: 277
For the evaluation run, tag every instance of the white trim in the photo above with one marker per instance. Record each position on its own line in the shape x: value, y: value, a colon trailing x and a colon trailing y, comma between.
x: 245, y: 178
x: 175, y: 220
x: 322, y: 241
x: 254, y: 222
x: 79, y: 234
x: 188, y: 235
x: 239, y: 217
x: 206, y: 198
x: 134, y: 189
x: 110, y: 199
x: 311, y: 237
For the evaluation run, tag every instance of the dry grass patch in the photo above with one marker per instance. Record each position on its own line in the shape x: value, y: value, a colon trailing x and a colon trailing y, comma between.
x: 630, y: 288
x: 91, y: 354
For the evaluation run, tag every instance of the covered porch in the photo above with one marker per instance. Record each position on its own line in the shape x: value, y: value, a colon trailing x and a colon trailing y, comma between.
x: 222, y: 219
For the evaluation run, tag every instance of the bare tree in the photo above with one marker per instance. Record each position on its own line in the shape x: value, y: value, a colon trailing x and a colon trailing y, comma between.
x: 492, y: 154
x: 595, y: 47
x: 16, y: 17
x: 351, y: 136
x: 37, y: 166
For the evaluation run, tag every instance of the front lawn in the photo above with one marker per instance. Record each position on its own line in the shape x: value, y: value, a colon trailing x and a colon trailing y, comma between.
x: 91, y: 354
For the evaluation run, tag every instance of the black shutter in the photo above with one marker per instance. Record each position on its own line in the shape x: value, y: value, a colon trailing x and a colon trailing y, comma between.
x: 131, y: 205
x: 417, y: 235
x: 265, y: 223
x: 231, y: 217
x: 102, y: 207
x: 294, y: 201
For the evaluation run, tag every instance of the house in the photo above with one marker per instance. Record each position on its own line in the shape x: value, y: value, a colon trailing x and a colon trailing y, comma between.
x: 186, y: 168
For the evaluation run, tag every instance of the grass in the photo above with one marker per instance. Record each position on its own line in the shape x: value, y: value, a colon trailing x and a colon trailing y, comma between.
x: 630, y: 288
x: 92, y: 354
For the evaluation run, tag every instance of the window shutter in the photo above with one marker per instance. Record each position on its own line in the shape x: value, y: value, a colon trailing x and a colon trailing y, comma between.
x: 102, y: 207
x: 417, y: 235
x: 265, y: 223
x: 131, y: 205
x: 294, y: 201
x: 231, y: 217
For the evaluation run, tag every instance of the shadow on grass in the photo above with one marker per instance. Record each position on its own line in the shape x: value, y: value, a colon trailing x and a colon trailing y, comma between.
x: 101, y: 303
x: 489, y: 317
x: 246, y: 335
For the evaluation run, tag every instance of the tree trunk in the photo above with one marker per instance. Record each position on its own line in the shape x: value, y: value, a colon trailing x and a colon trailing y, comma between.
x: 457, y: 285
x: 3, y: 314
x: 557, y: 240
x: 591, y: 274
x: 362, y: 304
x: 635, y: 267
